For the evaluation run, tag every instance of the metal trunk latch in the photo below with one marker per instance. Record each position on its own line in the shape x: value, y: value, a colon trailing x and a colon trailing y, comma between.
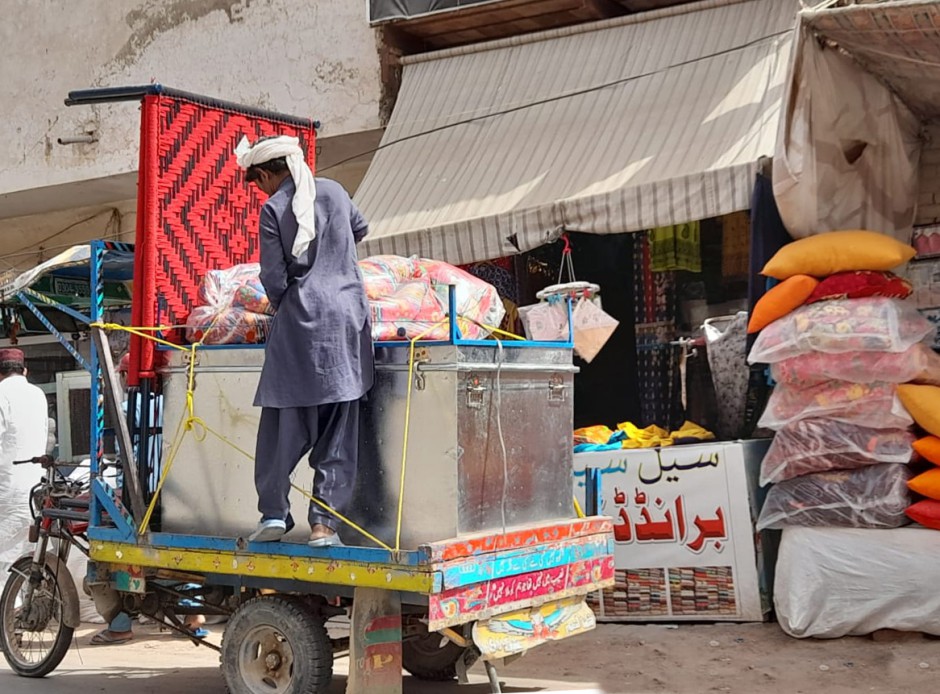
x: 556, y: 389
x: 422, y: 356
x: 475, y: 391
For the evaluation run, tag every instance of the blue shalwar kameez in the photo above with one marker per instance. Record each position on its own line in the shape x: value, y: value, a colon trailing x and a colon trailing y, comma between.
x: 318, y: 359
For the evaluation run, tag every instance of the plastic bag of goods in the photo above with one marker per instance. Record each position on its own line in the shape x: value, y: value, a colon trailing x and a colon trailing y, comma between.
x: 874, y: 324
x: 819, y: 445
x: 874, y: 405
x: 234, y: 326
x: 835, y: 582
x: 592, y: 329
x: 546, y: 321
x: 919, y: 364
x: 479, y: 306
x: 869, y: 497
x: 412, y: 310
x: 236, y: 287
x: 382, y: 274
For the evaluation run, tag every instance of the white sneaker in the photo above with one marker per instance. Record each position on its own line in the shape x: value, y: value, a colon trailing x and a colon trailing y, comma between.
x: 269, y: 530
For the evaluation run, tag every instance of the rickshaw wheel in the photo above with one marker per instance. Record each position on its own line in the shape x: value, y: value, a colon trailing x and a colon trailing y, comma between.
x: 431, y: 657
x: 275, y: 645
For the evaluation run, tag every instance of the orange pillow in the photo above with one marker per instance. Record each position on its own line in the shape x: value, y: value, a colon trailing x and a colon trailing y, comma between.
x: 780, y: 300
x: 927, y: 484
x: 926, y: 512
x: 929, y: 448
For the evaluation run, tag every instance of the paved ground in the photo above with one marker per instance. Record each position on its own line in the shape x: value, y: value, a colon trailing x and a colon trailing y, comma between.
x: 617, y: 659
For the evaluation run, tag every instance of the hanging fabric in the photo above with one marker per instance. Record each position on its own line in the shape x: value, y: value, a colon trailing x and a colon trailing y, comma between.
x: 726, y: 339
x: 677, y: 247
x: 735, y: 245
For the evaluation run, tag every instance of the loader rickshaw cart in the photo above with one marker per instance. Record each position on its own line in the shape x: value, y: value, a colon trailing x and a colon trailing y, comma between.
x: 462, y: 540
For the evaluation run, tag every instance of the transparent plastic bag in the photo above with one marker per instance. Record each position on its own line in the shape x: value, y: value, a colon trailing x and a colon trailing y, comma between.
x: 874, y: 324
x: 818, y: 445
x: 863, y: 404
x: 234, y: 326
x: 409, y: 296
x: 479, y: 306
x: 236, y: 287
x: 411, y: 310
x: 546, y: 321
x: 592, y: 329
x: 382, y: 274
x: 870, y: 497
x: 918, y: 364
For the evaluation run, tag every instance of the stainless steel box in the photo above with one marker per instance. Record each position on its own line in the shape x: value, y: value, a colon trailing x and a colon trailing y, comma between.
x: 490, y: 444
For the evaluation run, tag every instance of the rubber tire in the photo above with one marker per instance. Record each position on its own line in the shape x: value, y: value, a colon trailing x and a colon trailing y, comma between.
x: 422, y: 658
x: 304, y: 630
x: 64, y: 638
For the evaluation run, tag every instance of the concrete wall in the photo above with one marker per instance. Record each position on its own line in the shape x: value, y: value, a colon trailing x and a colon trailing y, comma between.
x: 928, y: 202
x: 311, y: 58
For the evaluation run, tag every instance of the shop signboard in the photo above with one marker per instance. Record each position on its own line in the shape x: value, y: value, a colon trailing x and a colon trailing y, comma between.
x: 685, y: 543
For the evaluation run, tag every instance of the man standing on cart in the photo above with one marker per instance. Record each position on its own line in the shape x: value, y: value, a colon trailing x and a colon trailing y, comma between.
x: 318, y: 358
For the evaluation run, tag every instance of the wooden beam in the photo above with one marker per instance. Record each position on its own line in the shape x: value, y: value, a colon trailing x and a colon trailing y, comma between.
x: 114, y: 399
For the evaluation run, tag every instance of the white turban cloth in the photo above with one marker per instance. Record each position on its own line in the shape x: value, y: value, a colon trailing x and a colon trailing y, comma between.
x: 305, y: 194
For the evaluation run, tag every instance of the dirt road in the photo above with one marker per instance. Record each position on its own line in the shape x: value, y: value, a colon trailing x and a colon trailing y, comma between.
x: 617, y: 659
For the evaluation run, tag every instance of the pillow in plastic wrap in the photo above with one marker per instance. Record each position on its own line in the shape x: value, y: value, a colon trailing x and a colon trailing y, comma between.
x: 851, y: 325
x: 918, y: 364
x: 236, y: 287
x: 835, y: 582
x: 818, y: 445
x: 234, y: 326
x: 863, y: 404
x: 382, y: 274
x: 870, y: 497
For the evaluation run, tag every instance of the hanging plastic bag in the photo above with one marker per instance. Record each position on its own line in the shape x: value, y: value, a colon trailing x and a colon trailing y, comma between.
x: 546, y: 322
x: 863, y: 404
x: 870, y: 497
x: 874, y: 324
x: 819, y: 445
x: 592, y: 329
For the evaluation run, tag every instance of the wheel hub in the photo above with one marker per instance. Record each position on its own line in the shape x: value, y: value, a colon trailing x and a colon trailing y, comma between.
x: 266, y: 661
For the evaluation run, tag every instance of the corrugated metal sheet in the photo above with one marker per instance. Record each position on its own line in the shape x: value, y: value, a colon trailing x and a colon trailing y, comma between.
x: 899, y: 42
x: 620, y: 126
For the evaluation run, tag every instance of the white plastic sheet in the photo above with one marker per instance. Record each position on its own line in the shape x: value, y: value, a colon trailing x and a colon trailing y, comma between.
x: 847, y: 148
x: 834, y: 582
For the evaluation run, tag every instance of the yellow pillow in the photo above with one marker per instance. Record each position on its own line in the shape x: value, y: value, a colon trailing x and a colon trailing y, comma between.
x: 780, y: 300
x: 838, y: 251
x: 927, y: 484
x: 923, y: 402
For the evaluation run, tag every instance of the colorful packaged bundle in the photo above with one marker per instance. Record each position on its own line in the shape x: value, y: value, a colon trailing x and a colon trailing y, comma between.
x: 870, y: 497
x: 233, y: 326
x: 836, y: 327
x: 862, y: 404
x: 237, y: 287
x: 919, y: 364
x: 819, y: 445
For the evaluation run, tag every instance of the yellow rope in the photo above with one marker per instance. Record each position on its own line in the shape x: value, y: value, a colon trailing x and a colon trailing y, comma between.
x: 577, y: 507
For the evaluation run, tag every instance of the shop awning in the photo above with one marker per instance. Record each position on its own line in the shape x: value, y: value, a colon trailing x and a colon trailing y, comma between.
x: 622, y: 125
x: 897, y: 41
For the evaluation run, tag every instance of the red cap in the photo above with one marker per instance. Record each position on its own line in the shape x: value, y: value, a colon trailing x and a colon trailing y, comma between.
x: 125, y: 364
x: 12, y: 356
